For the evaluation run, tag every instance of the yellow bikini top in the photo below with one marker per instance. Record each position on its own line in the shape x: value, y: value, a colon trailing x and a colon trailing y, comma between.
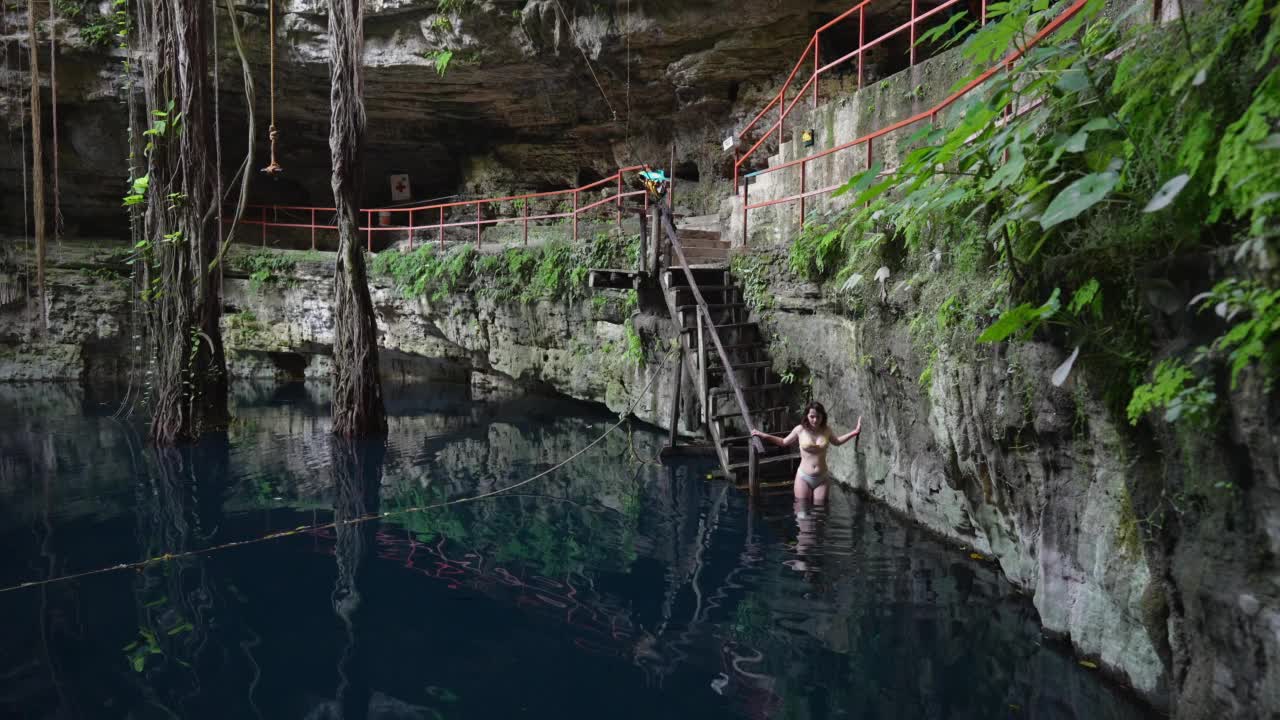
x: 812, y: 443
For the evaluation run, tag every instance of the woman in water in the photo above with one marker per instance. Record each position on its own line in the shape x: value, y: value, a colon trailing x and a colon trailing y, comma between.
x: 814, y: 438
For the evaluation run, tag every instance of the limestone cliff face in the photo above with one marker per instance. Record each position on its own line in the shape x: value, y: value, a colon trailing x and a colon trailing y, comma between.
x: 1071, y: 502
x: 498, y: 348
x: 989, y: 455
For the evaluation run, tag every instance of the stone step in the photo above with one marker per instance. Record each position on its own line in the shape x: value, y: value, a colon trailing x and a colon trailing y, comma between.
x: 694, y: 255
x: 701, y: 222
x: 675, y: 278
x: 747, y: 388
x: 698, y: 242
x: 714, y: 365
x: 725, y: 326
x: 761, y: 463
x: 687, y: 235
x: 705, y: 289
x: 755, y: 412
x: 710, y: 306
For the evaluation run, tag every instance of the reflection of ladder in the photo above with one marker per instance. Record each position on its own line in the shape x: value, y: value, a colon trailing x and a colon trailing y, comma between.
x: 725, y: 354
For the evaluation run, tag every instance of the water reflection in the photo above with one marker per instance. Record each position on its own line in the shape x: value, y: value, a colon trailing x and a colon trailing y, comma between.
x: 609, y: 586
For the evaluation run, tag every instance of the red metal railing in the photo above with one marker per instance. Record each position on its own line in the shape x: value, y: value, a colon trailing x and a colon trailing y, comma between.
x: 931, y: 115
x: 440, y: 217
x: 814, y: 49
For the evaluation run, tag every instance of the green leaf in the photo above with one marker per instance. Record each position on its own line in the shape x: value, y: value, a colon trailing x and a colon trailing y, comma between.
x: 1009, y: 322
x: 1010, y: 172
x: 1072, y: 81
x: 1078, y: 197
x: 1167, y: 193
x: 1099, y: 123
x: 1023, y: 319
x: 860, y: 182
x: 1088, y: 296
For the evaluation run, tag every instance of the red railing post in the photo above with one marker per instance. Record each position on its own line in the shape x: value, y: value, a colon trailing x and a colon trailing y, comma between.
x: 524, y: 210
x: 746, y: 200
x: 782, y: 115
x: 369, y: 229
x: 862, y: 33
x: 803, y: 164
x: 816, y: 54
x: 410, y: 230
x: 575, y: 215
x: 984, y: 12
x: 477, y: 224
x: 913, y: 32
x: 313, y: 229
x: 619, y: 201
x: 441, y: 228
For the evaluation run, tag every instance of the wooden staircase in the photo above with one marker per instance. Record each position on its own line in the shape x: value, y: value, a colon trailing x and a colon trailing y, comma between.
x: 726, y: 354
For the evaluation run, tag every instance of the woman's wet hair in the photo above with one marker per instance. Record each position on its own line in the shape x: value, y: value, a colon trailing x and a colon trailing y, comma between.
x: 822, y: 416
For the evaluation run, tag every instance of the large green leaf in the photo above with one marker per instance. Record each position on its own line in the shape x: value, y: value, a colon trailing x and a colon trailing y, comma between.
x: 860, y: 182
x: 1024, y: 318
x: 1088, y: 296
x: 1078, y: 197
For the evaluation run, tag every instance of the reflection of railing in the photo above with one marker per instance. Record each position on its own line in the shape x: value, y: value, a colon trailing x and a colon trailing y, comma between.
x: 814, y: 49
x: 443, y: 216
x: 930, y: 114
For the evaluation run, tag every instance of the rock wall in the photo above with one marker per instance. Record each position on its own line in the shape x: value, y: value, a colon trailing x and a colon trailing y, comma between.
x: 989, y: 456
x: 1069, y: 500
x: 88, y: 336
x: 499, y: 348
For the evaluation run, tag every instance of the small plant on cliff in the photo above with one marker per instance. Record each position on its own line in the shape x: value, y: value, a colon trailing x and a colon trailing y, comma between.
x: 1176, y: 390
x: 440, y: 59
x: 634, y: 351
x: 267, y: 268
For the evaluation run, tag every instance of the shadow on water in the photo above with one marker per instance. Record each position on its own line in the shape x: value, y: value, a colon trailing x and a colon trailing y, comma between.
x: 612, y: 586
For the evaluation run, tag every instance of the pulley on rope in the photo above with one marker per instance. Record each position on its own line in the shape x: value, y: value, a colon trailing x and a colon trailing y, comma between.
x: 273, y: 168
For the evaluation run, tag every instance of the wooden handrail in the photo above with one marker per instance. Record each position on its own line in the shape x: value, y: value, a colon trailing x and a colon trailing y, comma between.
x: 665, y: 218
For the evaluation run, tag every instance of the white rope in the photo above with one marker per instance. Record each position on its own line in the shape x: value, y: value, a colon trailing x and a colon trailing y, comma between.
x: 574, y: 35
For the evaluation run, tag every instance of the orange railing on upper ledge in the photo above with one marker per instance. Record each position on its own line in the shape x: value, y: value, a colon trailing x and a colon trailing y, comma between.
x: 930, y: 114
x: 432, y: 217
x: 814, y: 49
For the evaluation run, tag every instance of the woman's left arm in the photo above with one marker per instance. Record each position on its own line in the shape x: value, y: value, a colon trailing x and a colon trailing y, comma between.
x: 842, y: 439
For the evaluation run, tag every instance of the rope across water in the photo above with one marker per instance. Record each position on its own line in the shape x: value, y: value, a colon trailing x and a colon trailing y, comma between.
x: 356, y: 520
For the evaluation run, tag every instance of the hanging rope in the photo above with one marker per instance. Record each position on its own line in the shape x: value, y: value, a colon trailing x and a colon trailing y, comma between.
x: 244, y: 172
x: 273, y: 168
x: 302, y: 529
x: 626, y: 36
x: 26, y: 219
x: 574, y: 35
x: 53, y: 91
x: 217, y: 135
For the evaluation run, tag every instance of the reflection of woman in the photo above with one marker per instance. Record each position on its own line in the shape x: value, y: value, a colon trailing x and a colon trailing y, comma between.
x: 814, y: 437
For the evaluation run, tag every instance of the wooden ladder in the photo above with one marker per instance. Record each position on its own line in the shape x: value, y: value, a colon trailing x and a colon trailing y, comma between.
x: 726, y: 355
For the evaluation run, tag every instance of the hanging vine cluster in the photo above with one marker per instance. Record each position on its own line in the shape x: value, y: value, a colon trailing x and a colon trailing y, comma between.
x: 179, y: 245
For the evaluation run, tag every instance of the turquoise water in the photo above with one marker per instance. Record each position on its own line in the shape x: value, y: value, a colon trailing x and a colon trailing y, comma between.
x: 611, y: 588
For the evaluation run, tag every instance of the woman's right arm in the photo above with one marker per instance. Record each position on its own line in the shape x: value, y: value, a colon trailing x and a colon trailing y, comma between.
x: 775, y: 440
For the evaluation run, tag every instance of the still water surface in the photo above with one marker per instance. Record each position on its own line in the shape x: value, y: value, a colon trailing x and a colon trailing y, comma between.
x: 611, y: 588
